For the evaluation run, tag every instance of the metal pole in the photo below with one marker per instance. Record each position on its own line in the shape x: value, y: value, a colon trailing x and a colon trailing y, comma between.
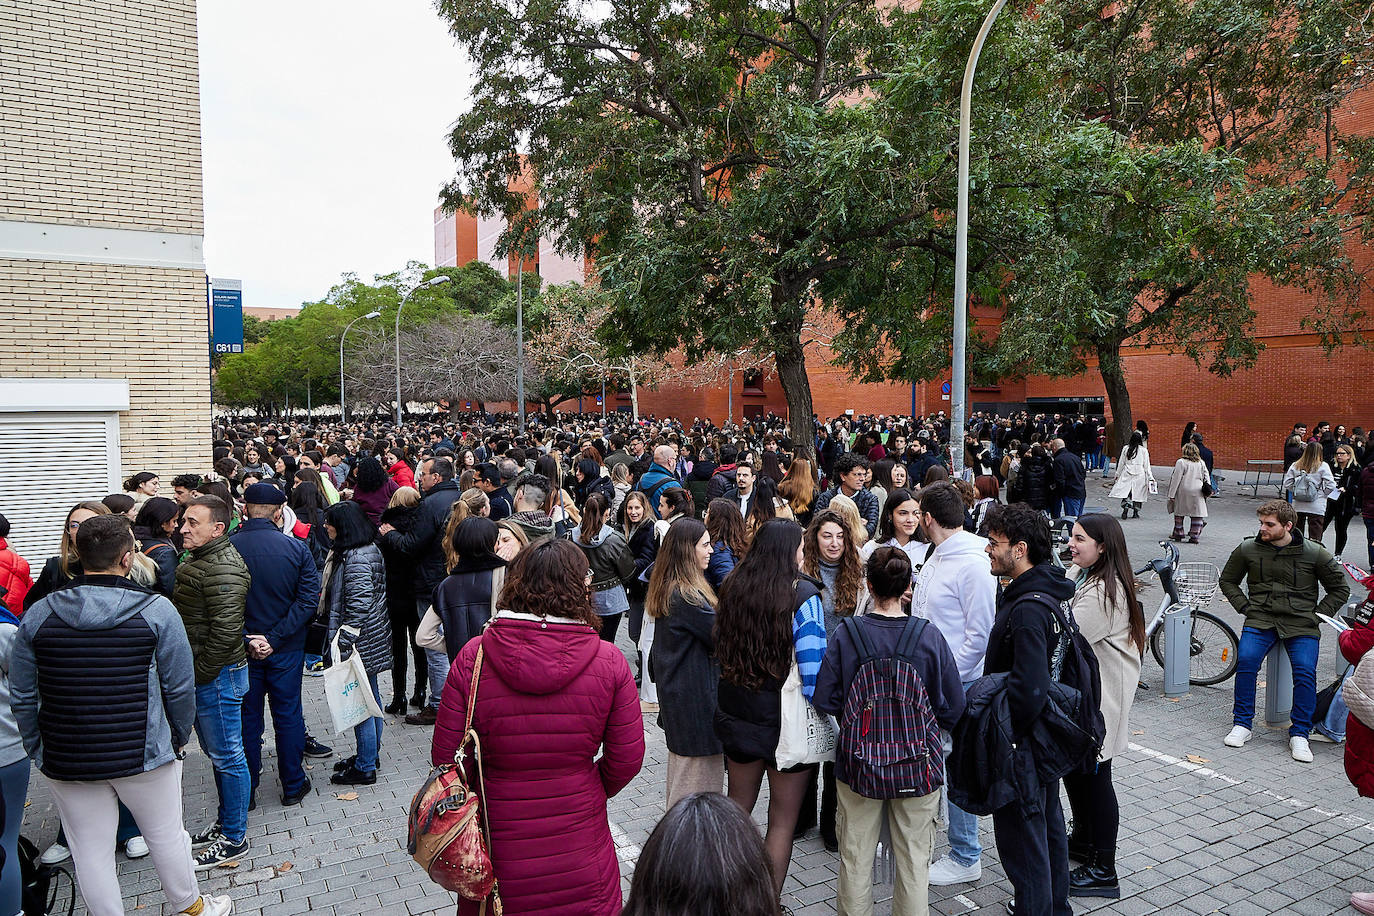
x: 343, y: 411
x: 309, y: 405
x: 959, y: 373
x: 398, y: 358
x: 520, y: 338
x: 603, y: 399
x: 730, y: 395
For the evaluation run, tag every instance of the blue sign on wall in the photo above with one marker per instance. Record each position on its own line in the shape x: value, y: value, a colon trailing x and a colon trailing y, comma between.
x: 945, y: 388
x: 226, y: 316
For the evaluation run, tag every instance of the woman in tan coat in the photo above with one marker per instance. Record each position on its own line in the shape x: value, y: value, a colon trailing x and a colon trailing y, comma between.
x: 1185, y: 494
x: 1109, y: 615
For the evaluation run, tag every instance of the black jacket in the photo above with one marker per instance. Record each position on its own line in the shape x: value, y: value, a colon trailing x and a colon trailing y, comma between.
x: 644, y: 548
x: 1070, y: 477
x: 1023, y: 639
x: 502, y: 506
x: 684, y: 670
x: 1034, y: 483
x: 400, y: 569
x: 424, y: 542
x: 160, y: 549
x: 463, y: 602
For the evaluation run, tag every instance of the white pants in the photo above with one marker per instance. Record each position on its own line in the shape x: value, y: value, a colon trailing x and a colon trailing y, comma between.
x: 90, y: 815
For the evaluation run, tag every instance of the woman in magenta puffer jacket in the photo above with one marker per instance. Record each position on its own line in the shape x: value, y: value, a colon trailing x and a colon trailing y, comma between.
x: 551, y: 694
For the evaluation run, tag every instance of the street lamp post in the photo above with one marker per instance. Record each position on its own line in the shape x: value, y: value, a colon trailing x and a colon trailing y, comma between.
x: 343, y: 411
x: 433, y: 281
x: 959, y: 370
x: 520, y: 338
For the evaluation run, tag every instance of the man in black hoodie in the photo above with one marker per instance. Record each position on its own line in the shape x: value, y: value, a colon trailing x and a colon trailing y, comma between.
x: 1031, y: 840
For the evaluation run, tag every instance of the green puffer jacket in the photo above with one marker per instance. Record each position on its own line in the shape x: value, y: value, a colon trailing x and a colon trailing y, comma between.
x: 211, y: 588
x: 1281, y: 585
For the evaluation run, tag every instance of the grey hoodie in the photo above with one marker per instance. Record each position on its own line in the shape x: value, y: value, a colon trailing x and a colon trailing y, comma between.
x: 118, y: 694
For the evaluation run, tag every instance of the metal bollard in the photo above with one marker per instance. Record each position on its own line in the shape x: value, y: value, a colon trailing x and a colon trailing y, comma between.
x: 1278, y: 686
x: 1178, y: 649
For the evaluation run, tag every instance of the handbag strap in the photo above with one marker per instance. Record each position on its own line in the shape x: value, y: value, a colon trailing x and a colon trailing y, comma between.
x: 470, y: 734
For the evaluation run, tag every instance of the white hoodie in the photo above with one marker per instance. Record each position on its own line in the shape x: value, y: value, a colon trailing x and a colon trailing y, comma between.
x: 956, y: 591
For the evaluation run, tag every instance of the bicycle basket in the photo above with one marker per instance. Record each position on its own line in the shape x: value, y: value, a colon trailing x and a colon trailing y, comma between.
x: 1197, y: 583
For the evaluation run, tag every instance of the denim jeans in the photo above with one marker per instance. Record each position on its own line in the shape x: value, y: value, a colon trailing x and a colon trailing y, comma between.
x: 1333, y: 726
x: 1302, y: 653
x: 14, y: 784
x: 1073, y: 507
x: 276, y: 680
x: 436, y: 660
x: 369, y: 734
x: 219, y: 724
x: 964, y: 846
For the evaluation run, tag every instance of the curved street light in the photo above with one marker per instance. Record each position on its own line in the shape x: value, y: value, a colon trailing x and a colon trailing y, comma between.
x: 343, y: 415
x: 958, y: 382
x: 431, y: 282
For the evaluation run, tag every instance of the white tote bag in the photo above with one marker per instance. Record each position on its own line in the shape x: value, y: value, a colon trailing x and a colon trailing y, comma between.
x: 804, y: 735
x: 346, y: 688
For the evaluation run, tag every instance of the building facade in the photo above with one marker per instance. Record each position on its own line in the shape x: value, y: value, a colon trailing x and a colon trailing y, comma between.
x: 104, y: 355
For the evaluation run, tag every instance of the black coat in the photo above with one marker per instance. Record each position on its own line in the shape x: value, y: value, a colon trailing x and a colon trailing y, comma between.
x: 160, y: 549
x: 1070, y: 477
x: 463, y: 603
x: 400, y: 570
x: 644, y: 548
x: 424, y: 542
x: 686, y: 675
x: 1035, y: 482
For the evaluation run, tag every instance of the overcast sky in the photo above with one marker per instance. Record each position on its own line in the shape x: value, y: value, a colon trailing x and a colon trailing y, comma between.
x: 324, y: 139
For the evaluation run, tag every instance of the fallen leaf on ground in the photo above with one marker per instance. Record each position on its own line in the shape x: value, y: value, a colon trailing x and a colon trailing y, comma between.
x: 1140, y: 732
x: 1173, y: 699
x: 1194, y: 758
x: 284, y: 867
x: 347, y: 796
x: 228, y: 865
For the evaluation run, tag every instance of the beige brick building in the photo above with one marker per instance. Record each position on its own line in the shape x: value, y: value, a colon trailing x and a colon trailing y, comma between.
x: 104, y: 357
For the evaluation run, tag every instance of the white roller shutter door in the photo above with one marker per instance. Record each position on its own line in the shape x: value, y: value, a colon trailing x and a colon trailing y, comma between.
x: 48, y: 463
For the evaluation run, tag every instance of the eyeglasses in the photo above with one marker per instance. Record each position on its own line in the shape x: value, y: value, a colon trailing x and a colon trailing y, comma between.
x: 72, y: 526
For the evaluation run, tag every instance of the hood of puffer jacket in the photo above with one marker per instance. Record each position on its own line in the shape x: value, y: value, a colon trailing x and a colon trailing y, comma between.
x: 99, y: 602
x: 538, y: 658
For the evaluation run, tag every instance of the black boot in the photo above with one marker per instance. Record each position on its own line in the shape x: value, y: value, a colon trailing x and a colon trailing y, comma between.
x: 1080, y: 848
x: 1097, y: 878
x: 1125, y: 509
x: 1135, y: 510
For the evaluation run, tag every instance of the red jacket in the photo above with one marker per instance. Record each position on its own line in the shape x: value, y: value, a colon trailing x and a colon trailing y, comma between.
x: 550, y: 696
x: 402, y: 474
x: 1359, y: 738
x: 15, y: 577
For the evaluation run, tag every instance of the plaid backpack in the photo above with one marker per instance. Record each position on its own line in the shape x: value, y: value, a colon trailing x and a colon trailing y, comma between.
x: 889, y: 742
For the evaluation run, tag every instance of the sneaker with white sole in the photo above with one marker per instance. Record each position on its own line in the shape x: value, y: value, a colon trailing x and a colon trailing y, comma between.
x: 221, y: 853
x: 136, y: 848
x: 215, y: 906
x: 207, y: 837
x: 944, y: 871
x: 1322, y: 737
x: 1300, y: 749
x: 1239, y: 735
x: 54, y: 854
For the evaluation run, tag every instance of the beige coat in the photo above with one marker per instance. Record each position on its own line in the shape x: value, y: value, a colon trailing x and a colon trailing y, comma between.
x: 1185, y: 489
x: 1117, y: 659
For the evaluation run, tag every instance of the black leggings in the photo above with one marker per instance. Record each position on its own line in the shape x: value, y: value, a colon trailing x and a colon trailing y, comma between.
x: 1092, y: 799
x: 403, y: 627
x: 1340, y: 518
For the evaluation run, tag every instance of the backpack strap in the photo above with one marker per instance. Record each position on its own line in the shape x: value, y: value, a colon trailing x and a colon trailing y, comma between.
x: 911, y: 635
x: 856, y: 632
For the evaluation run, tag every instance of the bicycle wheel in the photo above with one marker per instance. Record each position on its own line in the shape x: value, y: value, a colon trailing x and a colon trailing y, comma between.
x: 1213, y: 650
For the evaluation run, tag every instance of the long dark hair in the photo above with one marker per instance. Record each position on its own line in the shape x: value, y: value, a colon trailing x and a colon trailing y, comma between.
x: 705, y: 858
x: 887, y: 529
x: 753, y: 632
x: 593, y: 518
x: 1113, y: 568
x: 1137, y: 440
x: 153, y: 514
x: 849, y: 579
x: 726, y: 525
x: 307, y: 501
x: 370, y: 475
x: 676, y: 570
x: 351, y: 525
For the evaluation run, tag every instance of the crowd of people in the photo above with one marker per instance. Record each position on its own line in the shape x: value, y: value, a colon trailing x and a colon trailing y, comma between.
x: 912, y: 616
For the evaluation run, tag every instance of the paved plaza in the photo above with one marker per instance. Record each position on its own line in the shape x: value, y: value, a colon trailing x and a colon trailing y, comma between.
x: 1204, y: 828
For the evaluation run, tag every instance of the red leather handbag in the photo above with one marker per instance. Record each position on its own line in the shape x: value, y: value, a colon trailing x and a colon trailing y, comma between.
x: 448, y: 831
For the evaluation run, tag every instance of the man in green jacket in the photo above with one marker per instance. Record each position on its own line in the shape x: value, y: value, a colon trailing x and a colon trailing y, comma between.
x: 1281, y: 571
x: 210, y: 594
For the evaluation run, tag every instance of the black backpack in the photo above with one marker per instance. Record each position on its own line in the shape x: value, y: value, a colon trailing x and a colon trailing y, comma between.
x: 42, y: 885
x: 1074, y: 664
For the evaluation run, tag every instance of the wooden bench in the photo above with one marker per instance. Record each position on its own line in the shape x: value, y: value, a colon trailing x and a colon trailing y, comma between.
x: 1260, y: 472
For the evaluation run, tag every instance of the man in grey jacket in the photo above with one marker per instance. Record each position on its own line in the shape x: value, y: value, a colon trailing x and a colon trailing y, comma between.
x: 105, y: 635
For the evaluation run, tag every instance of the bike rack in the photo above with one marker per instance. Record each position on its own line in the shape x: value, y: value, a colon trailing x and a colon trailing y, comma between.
x: 1278, y: 686
x: 1178, y: 649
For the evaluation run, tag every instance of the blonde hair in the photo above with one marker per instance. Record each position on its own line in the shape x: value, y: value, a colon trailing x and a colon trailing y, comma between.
x: 404, y: 496
x: 1191, y: 453
x: 68, y: 549
x: 849, y: 510
x: 456, y: 514
x: 476, y: 500
x: 516, y: 531
x: 1348, y: 451
x: 798, y: 486
x: 1311, y: 458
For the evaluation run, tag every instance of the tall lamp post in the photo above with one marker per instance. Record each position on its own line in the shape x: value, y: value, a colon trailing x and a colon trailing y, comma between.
x: 433, y: 281
x: 343, y: 411
x: 959, y: 371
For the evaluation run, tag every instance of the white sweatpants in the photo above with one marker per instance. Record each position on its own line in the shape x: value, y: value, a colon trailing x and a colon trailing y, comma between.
x: 90, y: 815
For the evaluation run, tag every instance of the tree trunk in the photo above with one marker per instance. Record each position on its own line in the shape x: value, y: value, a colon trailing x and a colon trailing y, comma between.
x: 634, y: 392
x: 1118, y: 396
x: 796, y: 387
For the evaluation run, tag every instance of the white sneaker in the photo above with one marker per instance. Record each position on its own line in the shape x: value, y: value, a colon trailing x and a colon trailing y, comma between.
x: 54, y: 854
x: 216, y: 906
x: 136, y: 848
x: 945, y: 871
x: 1300, y: 749
x: 1239, y: 735
x: 1323, y: 737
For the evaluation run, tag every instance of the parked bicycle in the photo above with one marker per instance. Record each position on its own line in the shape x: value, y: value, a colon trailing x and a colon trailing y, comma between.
x: 1213, y: 646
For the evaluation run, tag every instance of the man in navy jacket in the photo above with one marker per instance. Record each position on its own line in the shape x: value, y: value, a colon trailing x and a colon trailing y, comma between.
x: 285, y: 593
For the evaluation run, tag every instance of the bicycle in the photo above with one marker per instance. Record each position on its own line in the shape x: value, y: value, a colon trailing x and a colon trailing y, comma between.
x: 1214, y: 647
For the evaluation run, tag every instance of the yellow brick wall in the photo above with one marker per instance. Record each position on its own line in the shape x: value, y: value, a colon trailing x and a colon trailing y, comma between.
x: 144, y: 324
x: 100, y: 113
